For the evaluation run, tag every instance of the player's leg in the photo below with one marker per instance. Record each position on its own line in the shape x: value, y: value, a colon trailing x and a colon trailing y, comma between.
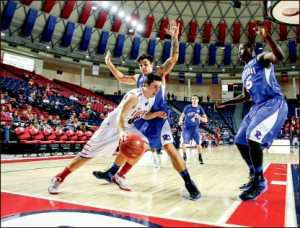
x: 243, y: 147
x: 112, y: 174
x: 177, y: 161
x: 99, y: 143
x: 197, y: 138
x: 261, y: 132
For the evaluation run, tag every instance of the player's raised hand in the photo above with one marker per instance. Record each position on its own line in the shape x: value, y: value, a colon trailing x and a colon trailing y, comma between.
x: 261, y: 29
x: 173, y: 30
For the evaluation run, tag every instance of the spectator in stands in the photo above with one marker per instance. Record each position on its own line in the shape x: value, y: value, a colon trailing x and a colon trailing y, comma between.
x: 45, y: 125
x: 3, y: 100
x: 25, y: 117
x: 168, y: 96
x: 31, y: 99
x: 88, y: 105
x: 173, y: 96
x: 46, y: 99
x: 14, y: 103
x: 15, y: 120
x: 56, y: 121
x: 35, y: 125
x: 21, y: 100
x: 208, y: 98
x: 5, y: 125
x: 73, y: 98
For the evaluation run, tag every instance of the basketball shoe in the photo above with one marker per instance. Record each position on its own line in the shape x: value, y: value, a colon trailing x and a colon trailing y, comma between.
x: 200, y: 159
x: 103, y: 176
x: 246, y: 186
x: 121, y: 182
x: 193, y: 190
x: 55, y: 182
x: 257, y: 188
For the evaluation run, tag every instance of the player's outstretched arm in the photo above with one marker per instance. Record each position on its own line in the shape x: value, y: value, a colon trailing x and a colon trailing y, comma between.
x: 277, y: 54
x: 170, y: 62
x: 129, y: 80
x: 237, y: 100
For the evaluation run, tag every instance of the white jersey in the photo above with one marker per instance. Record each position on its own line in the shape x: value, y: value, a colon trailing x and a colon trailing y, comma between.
x: 143, y: 106
x: 105, y: 140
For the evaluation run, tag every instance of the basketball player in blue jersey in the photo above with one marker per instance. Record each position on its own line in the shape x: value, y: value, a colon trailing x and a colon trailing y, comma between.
x: 158, y: 131
x: 263, y: 122
x: 192, y: 115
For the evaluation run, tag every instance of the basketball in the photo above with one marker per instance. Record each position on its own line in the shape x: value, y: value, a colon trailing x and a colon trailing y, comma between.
x: 131, y: 146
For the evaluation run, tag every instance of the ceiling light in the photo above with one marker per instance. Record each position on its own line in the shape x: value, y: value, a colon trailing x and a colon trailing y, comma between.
x: 121, y: 14
x: 134, y: 23
x: 94, y: 7
x: 113, y: 9
x: 139, y: 28
x: 104, y: 4
x: 128, y: 18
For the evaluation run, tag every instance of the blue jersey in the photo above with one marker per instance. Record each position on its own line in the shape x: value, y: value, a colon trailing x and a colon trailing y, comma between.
x: 160, y: 103
x: 260, y: 82
x: 157, y: 130
x: 189, y: 112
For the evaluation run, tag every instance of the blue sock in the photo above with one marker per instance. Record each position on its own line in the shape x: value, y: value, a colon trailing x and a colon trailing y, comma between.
x: 185, y: 176
x: 113, y: 170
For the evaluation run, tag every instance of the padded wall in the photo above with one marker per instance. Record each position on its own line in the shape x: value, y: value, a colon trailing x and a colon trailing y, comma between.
x: 192, y: 31
x: 8, y: 14
x: 236, y: 32
x: 292, y: 49
x: 86, y: 38
x: 48, y: 5
x: 49, y: 29
x: 182, y: 51
x: 85, y: 12
x: 207, y: 32
x: 66, y: 12
x: 151, y: 47
x: 101, y: 19
x: 164, y: 24
x: 103, y: 42
x: 212, y: 54
x: 227, y: 54
x: 120, y: 45
x: 29, y: 22
x: 135, y: 47
x: 148, y: 26
x: 197, y: 54
x: 167, y: 50
x: 67, y: 38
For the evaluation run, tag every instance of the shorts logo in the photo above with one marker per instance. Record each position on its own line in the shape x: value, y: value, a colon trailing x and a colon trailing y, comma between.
x: 258, y: 134
x: 166, y: 137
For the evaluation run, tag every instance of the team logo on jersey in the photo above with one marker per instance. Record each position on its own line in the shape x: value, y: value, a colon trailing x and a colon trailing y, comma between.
x: 258, y: 134
x: 166, y: 137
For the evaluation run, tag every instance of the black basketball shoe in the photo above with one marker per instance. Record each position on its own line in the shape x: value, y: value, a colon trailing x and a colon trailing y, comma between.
x: 200, y: 159
x: 103, y: 176
x: 257, y: 188
x: 246, y: 186
x: 193, y: 190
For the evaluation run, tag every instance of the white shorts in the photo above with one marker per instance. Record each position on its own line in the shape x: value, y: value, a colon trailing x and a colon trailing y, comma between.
x: 105, y: 140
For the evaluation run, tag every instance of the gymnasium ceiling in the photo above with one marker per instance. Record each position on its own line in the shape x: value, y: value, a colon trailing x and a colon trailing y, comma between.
x: 202, y: 12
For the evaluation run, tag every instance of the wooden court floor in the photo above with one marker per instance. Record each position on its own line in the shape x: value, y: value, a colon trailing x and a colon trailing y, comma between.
x: 160, y: 191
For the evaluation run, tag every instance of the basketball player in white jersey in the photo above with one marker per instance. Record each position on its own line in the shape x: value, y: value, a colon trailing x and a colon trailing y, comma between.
x: 263, y: 122
x: 136, y: 104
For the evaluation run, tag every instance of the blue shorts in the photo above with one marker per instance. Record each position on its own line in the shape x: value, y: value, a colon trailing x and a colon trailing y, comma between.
x: 190, y: 133
x: 157, y: 131
x: 263, y: 122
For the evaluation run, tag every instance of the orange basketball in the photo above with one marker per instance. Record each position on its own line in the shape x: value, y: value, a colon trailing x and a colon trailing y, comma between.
x: 132, y: 146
